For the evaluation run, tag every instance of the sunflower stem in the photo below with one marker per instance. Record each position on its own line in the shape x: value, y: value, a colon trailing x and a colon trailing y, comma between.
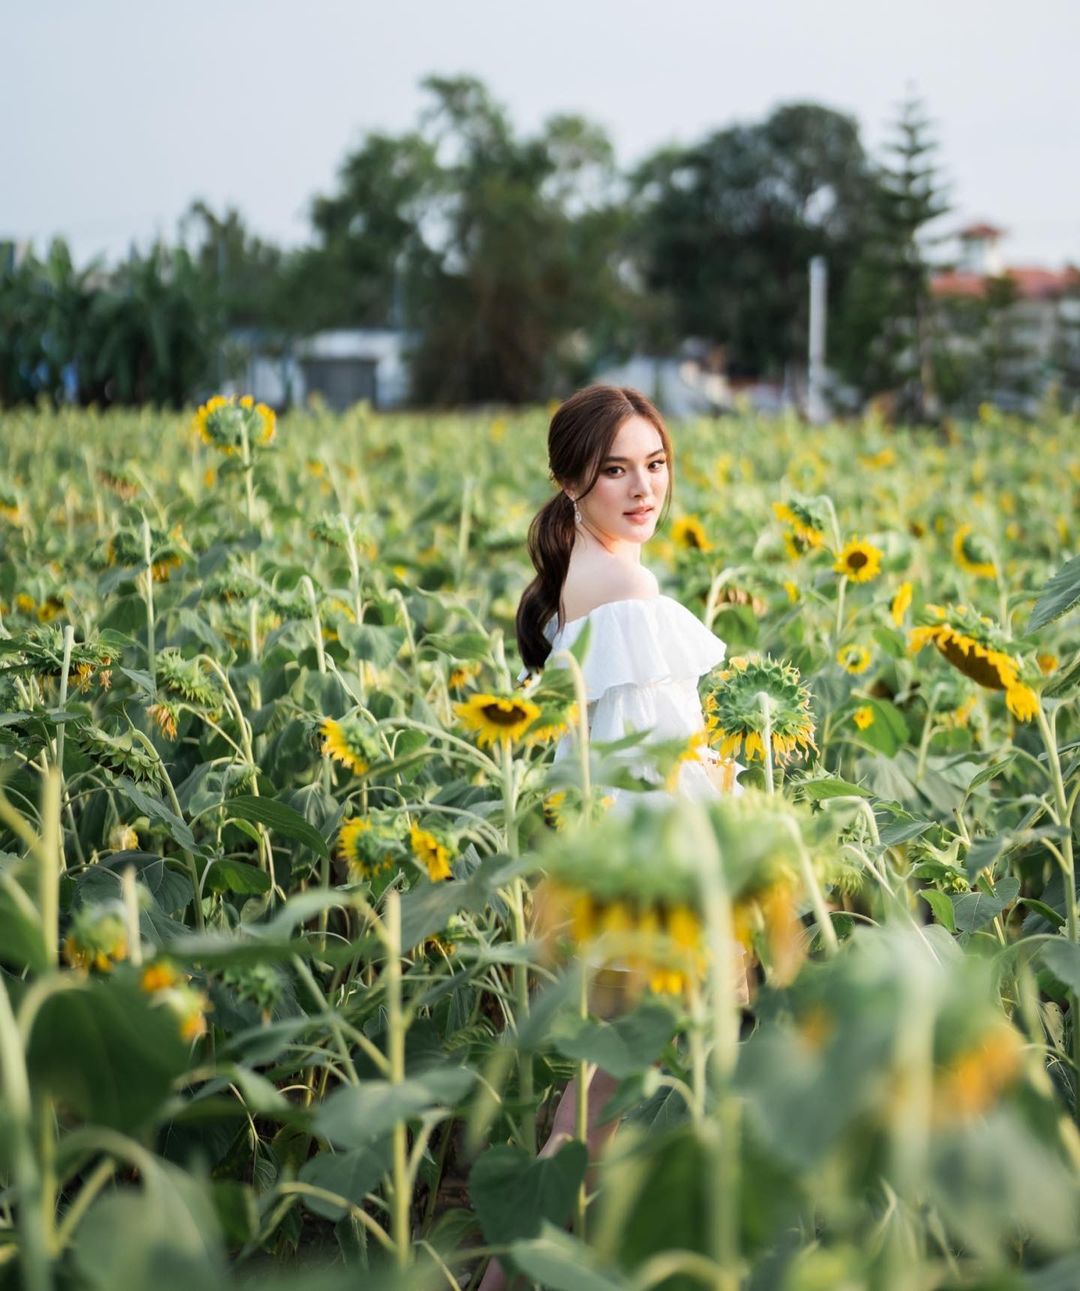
x: 521, y: 970
x: 839, y: 625
x: 396, y: 1054
x: 1047, y: 727
x: 316, y: 622
x: 148, y: 575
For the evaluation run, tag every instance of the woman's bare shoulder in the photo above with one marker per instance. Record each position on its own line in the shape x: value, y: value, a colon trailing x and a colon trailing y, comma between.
x: 592, y: 583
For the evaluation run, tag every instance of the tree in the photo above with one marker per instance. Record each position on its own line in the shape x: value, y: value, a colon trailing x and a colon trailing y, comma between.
x: 725, y: 229
x: 887, y: 302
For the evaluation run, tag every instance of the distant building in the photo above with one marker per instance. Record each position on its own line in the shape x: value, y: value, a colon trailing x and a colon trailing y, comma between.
x: 1042, y: 320
x: 340, y: 367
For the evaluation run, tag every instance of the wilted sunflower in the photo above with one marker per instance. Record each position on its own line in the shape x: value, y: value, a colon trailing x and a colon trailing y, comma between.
x: 733, y: 710
x: 224, y: 423
x: 805, y: 520
x: 901, y: 603
x: 368, y: 849
x: 973, y: 1080
x: 859, y: 561
x: 977, y: 648
x: 854, y: 658
x: 688, y: 534
x: 497, y: 717
x: 348, y: 741
x: 97, y: 938
x: 186, y: 679
x: 432, y: 854
x: 972, y: 553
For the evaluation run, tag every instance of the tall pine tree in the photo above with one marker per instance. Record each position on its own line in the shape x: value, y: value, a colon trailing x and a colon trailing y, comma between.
x: 889, y: 300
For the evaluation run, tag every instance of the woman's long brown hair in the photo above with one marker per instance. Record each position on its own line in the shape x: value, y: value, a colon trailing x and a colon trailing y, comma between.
x: 579, y: 439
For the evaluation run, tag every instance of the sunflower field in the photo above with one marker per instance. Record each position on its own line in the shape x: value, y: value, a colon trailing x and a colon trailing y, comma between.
x: 303, y: 933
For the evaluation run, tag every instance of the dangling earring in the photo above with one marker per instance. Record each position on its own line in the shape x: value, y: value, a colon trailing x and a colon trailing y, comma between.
x: 577, y: 513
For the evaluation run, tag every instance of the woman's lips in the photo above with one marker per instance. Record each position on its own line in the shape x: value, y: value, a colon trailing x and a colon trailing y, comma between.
x: 639, y: 515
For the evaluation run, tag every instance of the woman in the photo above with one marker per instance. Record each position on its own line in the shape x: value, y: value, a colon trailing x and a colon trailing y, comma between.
x: 611, y: 456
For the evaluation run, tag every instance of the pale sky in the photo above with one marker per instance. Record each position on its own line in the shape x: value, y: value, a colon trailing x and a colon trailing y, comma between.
x: 117, y: 114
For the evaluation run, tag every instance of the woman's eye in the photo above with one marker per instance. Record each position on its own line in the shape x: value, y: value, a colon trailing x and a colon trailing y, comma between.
x: 659, y: 462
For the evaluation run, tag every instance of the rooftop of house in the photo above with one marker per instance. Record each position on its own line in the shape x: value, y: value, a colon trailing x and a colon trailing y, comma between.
x: 1032, y: 283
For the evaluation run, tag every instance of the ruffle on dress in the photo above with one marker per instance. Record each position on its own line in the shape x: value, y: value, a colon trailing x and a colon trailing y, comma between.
x: 645, y: 641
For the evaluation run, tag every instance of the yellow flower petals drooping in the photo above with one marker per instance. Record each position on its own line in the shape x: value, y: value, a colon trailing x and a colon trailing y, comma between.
x: 975, y: 647
x: 972, y: 554
x: 901, y: 603
x: 434, y: 856
x: 973, y: 1081
x: 497, y: 717
x: 733, y: 712
x: 346, y: 741
x: 859, y: 561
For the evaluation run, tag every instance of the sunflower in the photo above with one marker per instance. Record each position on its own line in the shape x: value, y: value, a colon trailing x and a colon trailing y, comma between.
x: 497, y: 717
x: 97, y: 939
x: 804, y: 519
x: 972, y: 553
x: 688, y: 534
x: 733, y: 714
x: 367, y: 850
x: 348, y: 742
x: 901, y: 603
x: 433, y: 855
x: 974, y: 1079
x: 975, y: 647
x: 859, y: 561
x: 462, y: 673
x: 854, y: 658
x: 863, y: 716
x: 224, y: 424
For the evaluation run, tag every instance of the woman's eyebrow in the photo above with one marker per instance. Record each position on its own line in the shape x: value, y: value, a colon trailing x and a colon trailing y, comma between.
x: 656, y: 453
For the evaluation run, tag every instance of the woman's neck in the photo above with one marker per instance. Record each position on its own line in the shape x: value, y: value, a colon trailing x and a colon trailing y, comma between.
x: 587, y: 540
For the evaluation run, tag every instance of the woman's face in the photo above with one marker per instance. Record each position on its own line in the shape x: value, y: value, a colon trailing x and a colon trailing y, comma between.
x: 624, y: 503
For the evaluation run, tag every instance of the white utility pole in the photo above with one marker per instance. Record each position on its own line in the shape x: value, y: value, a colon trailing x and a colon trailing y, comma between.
x: 816, y: 410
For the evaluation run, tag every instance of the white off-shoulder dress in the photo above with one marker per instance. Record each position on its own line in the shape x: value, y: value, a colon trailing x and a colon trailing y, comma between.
x: 641, y: 669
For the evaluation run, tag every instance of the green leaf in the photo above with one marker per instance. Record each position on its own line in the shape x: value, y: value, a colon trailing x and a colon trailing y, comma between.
x: 1062, y: 958
x: 22, y: 938
x: 278, y: 817
x: 1048, y: 912
x: 941, y: 905
x: 153, y: 807
x: 888, y: 731
x: 368, y: 641
x: 228, y: 875
x: 974, y: 909
x: 1058, y: 597
x: 129, y: 1052
x: 560, y: 1262
x: 816, y: 790
x: 1065, y: 682
x: 359, y: 1115
x: 513, y: 1193
x: 349, y: 1174
x: 623, y: 1047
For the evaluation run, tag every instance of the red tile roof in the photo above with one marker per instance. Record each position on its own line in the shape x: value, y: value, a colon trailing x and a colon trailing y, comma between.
x: 981, y: 231
x: 1031, y: 283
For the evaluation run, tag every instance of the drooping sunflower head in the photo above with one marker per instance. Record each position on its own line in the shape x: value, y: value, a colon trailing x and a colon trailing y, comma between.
x: 186, y: 679
x: 225, y: 423
x: 431, y: 851
x: 901, y: 603
x: 97, y: 937
x: 350, y: 742
x: 688, y: 534
x: 805, y: 517
x: 494, y: 718
x: 369, y: 847
x: 975, y: 646
x: 972, y: 553
x: 859, y: 561
x: 734, y: 711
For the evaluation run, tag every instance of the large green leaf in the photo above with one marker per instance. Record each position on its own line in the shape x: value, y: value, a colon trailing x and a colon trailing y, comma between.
x: 623, y: 1047
x: 1062, y: 958
x: 974, y: 909
x: 106, y: 1053
x: 22, y: 938
x: 228, y: 875
x: 1059, y: 596
x: 164, y: 1235
x: 368, y: 641
x: 152, y: 806
x: 560, y: 1262
x: 513, y: 1193
x: 278, y: 817
x: 359, y: 1115
x: 348, y: 1174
